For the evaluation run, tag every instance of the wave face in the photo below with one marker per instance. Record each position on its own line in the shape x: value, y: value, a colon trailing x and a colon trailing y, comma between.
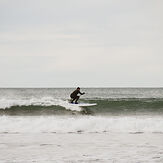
x: 34, y: 106
x: 128, y: 106
x: 50, y: 106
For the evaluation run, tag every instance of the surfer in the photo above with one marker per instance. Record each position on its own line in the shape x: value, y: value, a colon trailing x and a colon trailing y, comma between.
x: 74, y: 95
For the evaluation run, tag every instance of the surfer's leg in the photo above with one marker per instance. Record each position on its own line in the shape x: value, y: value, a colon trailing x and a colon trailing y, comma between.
x: 76, y: 99
x: 72, y: 99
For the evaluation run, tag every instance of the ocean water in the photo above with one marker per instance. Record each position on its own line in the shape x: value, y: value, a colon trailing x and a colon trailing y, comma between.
x: 119, y: 111
x: 48, y: 110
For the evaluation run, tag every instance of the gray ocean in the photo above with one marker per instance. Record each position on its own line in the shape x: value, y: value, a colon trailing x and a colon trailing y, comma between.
x: 47, y: 110
x: 40, y: 125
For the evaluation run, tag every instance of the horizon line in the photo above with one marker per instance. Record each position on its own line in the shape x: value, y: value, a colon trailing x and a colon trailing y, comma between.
x: 80, y: 87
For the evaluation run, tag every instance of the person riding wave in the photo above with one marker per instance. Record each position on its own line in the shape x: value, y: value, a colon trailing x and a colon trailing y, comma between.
x: 74, y: 95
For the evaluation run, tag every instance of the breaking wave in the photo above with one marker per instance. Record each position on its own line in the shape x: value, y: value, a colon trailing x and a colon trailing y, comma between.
x: 51, y: 106
x: 33, y: 103
x: 80, y: 124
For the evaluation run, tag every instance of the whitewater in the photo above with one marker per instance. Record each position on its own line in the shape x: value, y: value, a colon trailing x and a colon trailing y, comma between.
x: 39, y: 125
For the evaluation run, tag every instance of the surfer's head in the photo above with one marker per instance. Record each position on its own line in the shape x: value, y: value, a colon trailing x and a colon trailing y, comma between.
x: 78, y: 88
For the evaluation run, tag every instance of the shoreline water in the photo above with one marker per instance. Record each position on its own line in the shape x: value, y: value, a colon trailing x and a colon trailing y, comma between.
x: 85, y: 148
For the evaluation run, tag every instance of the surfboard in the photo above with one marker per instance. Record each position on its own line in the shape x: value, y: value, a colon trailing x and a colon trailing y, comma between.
x: 83, y: 104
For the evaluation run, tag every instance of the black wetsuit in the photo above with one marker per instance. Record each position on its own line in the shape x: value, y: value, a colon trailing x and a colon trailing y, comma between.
x: 74, y: 95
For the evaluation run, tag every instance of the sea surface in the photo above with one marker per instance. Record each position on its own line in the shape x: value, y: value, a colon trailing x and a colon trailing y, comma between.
x: 48, y: 110
x: 119, y: 111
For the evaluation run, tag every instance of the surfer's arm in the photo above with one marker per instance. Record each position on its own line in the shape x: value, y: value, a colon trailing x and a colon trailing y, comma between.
x: 82, y: 93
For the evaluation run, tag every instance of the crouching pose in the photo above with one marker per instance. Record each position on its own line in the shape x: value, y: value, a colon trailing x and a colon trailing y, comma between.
x: 74, y: 95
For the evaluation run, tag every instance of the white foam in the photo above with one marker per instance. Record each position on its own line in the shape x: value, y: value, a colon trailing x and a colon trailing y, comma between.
x: 84, y: 104
x: 64, y: 124
x: 46, y: 101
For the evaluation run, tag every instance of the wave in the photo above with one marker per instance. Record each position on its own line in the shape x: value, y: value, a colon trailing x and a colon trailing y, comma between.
x: 45, y: 101
x: 80, y: 124
x: 127, y: 105
x: 48, y: 106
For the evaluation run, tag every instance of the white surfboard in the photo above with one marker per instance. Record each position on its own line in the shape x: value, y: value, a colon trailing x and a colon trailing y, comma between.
x: 83, y: 104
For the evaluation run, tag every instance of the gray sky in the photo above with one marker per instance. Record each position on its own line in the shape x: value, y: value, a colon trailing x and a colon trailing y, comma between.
x: 87, y: 43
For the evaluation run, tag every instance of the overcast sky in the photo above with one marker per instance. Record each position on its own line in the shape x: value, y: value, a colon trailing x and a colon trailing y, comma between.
x: 86, y: 43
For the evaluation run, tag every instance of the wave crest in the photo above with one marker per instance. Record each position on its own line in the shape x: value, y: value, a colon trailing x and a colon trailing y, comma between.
x: 46, y: 101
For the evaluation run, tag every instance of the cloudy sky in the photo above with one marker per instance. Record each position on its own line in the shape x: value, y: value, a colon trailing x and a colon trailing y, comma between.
x: 87, y: 43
